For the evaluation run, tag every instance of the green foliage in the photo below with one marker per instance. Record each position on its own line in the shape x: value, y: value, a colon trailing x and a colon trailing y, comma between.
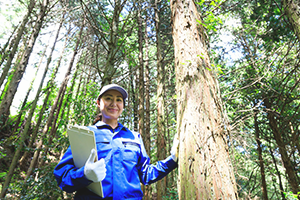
x: 210, y: 20
x: 11, y: 13
x: 45, y: 187
x: 291, y: 196
x: 171, y: 194
x: 2, y: 174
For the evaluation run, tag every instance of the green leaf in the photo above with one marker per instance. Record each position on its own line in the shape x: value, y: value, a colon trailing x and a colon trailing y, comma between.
x: 2, y: 174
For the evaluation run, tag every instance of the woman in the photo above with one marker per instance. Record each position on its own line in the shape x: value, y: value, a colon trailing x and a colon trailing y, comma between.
x: 123, y: 162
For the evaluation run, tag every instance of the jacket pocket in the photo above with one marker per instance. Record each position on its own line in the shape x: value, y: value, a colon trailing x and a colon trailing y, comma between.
x: 131, y: 150
x: 103, y: 148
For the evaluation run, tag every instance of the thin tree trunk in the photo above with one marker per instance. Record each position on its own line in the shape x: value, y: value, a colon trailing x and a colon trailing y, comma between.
x: 69, y: 101
x: 278, y: 174
x: 260, y: 159
x: 161, y: 143
x: 28, y: 92
x: 86, y: 80
x: 8, y: 97
x: 141, y: 96
x: 292, y: 177
x: 54, y: 127
x: 54, y: 106
x: 205, y: 169
x: 112, y: 44
x: 13, y: 85
x: 146, y: 136
x: 134, y: 99
x: 147, y: 93
x: 75, y: 118
x: 50, y: 136
x: 50, y: 83
x: 16, y: 42
x: 4, y: 52
x: 10, y: 74
x: 141, y: 75
x: 295, y: 137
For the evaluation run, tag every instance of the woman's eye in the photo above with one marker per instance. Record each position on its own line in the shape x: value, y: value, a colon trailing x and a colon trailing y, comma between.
x: 120, y: 100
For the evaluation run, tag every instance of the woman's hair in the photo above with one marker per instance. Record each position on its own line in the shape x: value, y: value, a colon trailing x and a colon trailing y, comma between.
x: 98, y: 118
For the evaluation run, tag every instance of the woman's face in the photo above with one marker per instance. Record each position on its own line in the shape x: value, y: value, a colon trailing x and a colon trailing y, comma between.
x: 111, y: 105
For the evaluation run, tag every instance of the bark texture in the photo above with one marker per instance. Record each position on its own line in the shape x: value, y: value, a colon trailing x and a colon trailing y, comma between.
x: 205, y: 170
x: 292, y: 10
x: 161, y: 144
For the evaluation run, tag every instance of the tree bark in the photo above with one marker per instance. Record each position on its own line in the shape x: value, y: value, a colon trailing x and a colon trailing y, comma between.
x: 141, y: 90
x: 146, y: 135
x: 292, y: 10
x: 205, y: 170
x: 161, y: 144
x: 134, y: 98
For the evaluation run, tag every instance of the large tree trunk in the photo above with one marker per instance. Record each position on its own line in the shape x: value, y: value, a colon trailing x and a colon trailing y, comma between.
x: 13, y: 85
x: 292, y: 10
x: 161, y: 144
x: 205, y: 170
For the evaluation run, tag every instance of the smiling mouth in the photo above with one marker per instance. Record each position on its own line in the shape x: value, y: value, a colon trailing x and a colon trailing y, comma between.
x: 113, y: 110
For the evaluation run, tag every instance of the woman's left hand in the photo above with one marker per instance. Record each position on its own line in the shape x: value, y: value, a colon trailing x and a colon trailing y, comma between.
x: 175, y: 148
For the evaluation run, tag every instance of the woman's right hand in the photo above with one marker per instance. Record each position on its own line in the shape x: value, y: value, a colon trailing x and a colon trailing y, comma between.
x: 94, y: 171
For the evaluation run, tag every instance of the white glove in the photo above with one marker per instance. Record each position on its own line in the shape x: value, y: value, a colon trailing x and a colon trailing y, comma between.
x: 94, y: 171
x: 175, y: 148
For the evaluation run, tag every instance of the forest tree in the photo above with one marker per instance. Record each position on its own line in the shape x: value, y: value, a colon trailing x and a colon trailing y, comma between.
x: 205, y: 170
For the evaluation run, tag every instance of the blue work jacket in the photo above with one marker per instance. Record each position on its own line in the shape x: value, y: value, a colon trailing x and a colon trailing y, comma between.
x: 127, y: 165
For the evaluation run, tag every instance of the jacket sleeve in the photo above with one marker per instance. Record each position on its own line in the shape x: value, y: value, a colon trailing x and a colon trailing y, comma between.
x: 68, y: 177
x: 150, y: 173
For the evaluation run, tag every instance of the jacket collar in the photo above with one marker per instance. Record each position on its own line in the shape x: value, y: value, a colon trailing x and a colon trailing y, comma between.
x: 101, y: 124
